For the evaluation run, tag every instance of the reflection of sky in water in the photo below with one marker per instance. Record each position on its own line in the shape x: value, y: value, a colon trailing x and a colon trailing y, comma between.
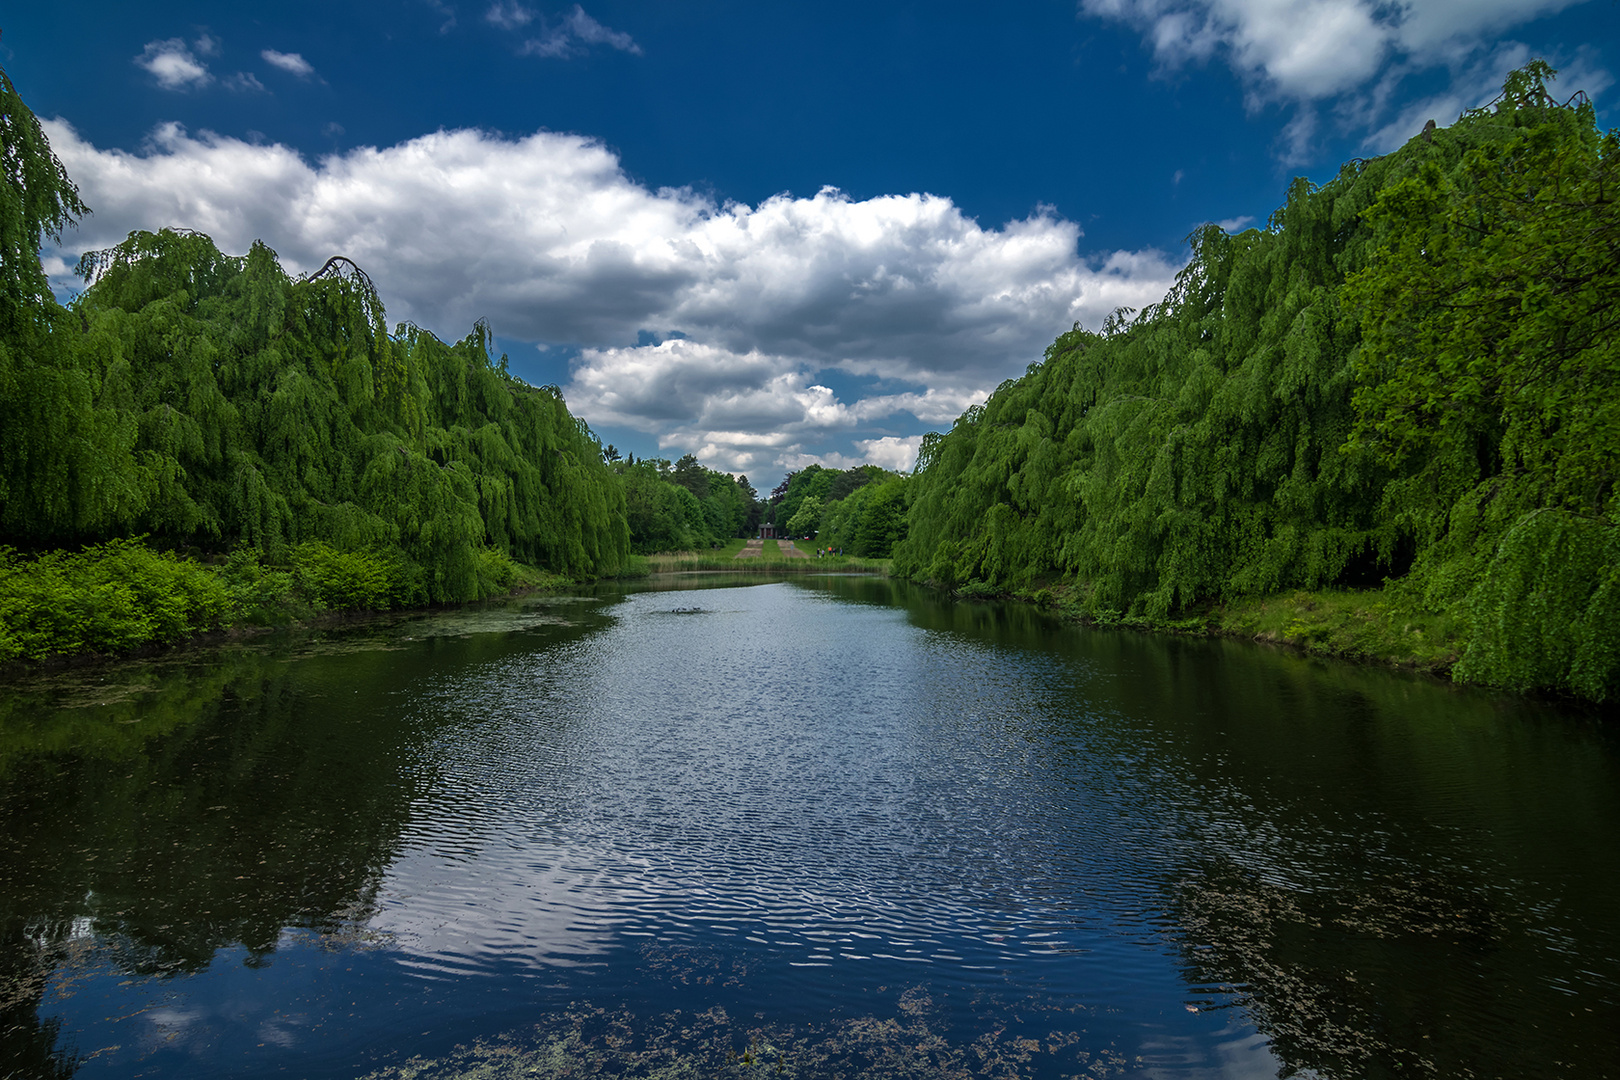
x: 784, y: 804
x: 691, y: 778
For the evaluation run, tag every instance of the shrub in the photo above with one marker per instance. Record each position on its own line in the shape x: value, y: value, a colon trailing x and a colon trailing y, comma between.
x: 343, y: 580
x: 496, y: 573
x: 259, y: 596
x: 109, y: 598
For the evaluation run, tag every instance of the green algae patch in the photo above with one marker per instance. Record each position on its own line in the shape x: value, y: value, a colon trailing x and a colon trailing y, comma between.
x: 588, y: 1041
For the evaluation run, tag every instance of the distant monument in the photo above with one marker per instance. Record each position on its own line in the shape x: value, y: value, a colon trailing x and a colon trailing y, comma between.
x: 767, y: 532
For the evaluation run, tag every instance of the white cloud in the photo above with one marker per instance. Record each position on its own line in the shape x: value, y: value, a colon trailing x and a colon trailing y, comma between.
x: 1309, y: 51
x: 891, y: 452
x: 1235, y: 224
x: 1298, y: 135
x: 244, y: 83
x: 1437, y: 25
x: 174, y: 65
x: 903, y: 296
x: 1312, y: 49
x: 508, y: 15
x: 741, y: 412
x: 292, y: 63
x: 572, y: 36
x: 445, y: 11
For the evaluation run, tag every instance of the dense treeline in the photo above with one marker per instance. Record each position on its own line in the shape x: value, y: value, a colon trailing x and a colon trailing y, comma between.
x: 684, y: 506
x: 859, y: 511
x: 1410, y: 376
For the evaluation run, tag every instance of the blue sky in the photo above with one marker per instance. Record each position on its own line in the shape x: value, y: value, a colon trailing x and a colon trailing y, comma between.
x: 766, y: 233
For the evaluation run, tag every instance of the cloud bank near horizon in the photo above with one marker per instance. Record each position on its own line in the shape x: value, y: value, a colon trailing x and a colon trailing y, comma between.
x: 713, y: 327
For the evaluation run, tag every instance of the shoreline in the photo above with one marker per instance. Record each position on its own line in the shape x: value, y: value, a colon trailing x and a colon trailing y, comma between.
x: 1365, y: 627
x: 1371, y: 627
x: 17, y: 670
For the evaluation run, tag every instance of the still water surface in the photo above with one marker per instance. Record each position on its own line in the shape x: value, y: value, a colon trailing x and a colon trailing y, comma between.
x: 819, y: 827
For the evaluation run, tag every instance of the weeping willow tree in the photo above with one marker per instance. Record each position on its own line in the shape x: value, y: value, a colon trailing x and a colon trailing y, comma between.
x: 1408, y: 377
x: 271, y: 411
x: 69, y: 467
x: 1490, y: 378
x: 214, y: 402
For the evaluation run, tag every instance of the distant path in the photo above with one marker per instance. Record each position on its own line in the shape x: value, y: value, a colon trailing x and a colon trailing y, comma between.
x: 753, y: 549
x: 787, y: 548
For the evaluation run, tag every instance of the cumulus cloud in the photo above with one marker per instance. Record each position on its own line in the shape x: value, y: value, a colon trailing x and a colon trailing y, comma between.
x: 572, y: 36
x: 1310, y: 51
x: 174, y: 65
x: 718, y: 328
x: 292, y: 63
x: 891, y: 452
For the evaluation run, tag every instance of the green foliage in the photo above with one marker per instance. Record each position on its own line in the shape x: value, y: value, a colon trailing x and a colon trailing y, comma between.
x: 210, y: 400
x: 37, y: 200
x: 860, y: 511
x: 807, y: 519
x: 1546, y: 611
x: 1491, y: 375
x: 1184, y: 455
x: 1374, y: 624
x: 1410, y: 374
x: 497, y: 573
x: 69, y: 463
x: 881, y: 523
x: 259, y: 596
x: 109, y: 598
x: 685, y: 506
x: 346, y: 580
x: 813, y: 482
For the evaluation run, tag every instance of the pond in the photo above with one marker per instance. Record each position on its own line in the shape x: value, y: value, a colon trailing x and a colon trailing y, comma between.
x: 828, y: 826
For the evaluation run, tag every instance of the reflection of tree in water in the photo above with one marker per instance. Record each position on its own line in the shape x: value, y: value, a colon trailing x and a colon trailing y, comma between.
x: 264, y: 795
x: 1403, y: 976
x: 30, y: 1045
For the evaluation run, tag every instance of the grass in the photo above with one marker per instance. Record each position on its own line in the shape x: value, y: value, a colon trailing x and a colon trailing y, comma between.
x: 770, y: 560
x: 1375, y: 624
x: 534, y: 579
x: 1372, y: 625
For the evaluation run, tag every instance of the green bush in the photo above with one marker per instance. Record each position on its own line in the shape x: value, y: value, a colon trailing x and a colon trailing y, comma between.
x: 109, y: 598
x: 259, y: 596
x: 496, y: 573
x: 346, y: 580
